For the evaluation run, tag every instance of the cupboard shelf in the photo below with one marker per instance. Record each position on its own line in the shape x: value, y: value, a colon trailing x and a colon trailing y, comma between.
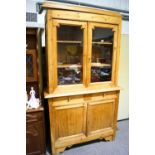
x: 69, y: 66
x: 102, y: 43
x: 69, y: 42
x: 100, y: 65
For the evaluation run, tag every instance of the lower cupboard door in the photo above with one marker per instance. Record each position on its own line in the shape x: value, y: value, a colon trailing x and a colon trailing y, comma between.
x: 69, y: 123
x: 100, y: 115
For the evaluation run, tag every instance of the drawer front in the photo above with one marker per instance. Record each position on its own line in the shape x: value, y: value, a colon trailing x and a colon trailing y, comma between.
x: 101, y: 96
x: 68, y: 100
x: 35, y: 139
x: 34, y: 117
x: 60, y: 101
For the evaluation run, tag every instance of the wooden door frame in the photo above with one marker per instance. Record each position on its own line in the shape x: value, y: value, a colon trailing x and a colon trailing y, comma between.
x: 91, y: 26
x: 53, y: 24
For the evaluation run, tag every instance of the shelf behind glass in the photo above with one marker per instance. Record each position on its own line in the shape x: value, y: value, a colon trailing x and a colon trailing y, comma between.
x: 69, y: 41
x: 104, y: 43
x: 97, y: 64
x: 69, y: 66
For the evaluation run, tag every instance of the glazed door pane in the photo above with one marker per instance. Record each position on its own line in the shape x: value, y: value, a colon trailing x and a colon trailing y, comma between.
x: 102, y: 51
x: 31, y: 65
x: 70, y: 54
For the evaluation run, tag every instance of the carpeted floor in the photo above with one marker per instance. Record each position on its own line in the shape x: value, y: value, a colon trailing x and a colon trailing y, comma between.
x: 120, y: 146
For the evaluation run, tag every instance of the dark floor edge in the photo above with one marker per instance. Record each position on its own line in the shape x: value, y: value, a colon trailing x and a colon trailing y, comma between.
x: 125, y: 119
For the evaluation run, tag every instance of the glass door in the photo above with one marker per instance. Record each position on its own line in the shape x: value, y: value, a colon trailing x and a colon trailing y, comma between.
x: 101, y: 52
x: 70, y: 52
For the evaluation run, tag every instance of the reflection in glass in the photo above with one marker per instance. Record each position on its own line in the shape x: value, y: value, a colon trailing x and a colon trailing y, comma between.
x: 70, y: 57
x: 102, y: 46
x: 29, y: 65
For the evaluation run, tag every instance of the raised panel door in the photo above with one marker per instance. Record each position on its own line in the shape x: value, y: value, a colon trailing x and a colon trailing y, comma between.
x: 100, y: 116
x: 69, y: 123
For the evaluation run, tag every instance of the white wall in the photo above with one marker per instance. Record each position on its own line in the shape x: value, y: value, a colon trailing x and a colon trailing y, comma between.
x: 31, y: 7
x: 123, y: 111
x: 123, y: 82
x: 125, y: 27
x: 118, y: 4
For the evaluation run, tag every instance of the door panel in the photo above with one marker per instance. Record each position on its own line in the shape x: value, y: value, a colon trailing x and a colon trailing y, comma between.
x: 70, y: 121
x: 100, y: 116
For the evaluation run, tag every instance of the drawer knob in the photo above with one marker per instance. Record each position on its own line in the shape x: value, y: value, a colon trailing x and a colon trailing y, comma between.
x: 68, y: 99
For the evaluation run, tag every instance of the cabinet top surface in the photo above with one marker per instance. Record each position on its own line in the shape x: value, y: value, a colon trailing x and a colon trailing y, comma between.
x: 35, y: 110
x: 72, y: 7
x: 81, y: 92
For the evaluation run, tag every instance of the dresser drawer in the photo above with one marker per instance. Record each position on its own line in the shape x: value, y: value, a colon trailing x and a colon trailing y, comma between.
x: 35, y: 138
x: 34, y: 117
x: 100, y: 96
x: 68, y: 100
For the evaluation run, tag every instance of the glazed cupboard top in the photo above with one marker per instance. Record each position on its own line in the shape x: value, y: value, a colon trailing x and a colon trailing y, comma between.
x: 82, y: 46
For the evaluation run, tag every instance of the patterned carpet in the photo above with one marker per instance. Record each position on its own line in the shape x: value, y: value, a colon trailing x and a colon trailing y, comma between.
x: 120, y: 146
